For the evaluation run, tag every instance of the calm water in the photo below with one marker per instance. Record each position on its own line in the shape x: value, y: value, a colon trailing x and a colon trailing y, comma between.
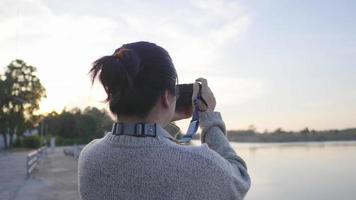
x: 317, y: 170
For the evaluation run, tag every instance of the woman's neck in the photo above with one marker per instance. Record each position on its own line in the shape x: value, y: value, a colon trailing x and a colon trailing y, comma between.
x: 133, y: 120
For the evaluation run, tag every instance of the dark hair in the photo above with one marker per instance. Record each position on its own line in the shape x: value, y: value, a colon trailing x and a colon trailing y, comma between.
x: 134, y: 77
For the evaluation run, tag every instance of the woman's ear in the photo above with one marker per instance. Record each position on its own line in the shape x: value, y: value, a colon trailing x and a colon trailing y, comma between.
x: 166, y: 99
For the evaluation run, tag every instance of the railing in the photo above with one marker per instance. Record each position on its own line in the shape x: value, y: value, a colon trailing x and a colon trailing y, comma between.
x: 73, y: 151
x: 33, y: 159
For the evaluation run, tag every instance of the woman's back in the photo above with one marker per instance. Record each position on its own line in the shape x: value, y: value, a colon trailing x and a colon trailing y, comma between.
x: 140, y: 81
x: 126, y: 167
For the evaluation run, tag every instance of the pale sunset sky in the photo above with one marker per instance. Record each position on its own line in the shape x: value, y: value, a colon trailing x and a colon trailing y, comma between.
x: 279, y: 63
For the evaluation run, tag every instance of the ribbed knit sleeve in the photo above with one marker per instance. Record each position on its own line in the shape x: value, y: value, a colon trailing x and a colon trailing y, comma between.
x: 215, y: 136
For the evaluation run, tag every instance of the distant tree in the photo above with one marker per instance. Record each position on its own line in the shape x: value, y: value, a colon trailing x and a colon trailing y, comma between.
x: 101, y: 118
x: 21, y: 92
x: 85, y: 125
x: 50, y: 119
x: 4, y: 99
x: 305, y: 131
x: 278, y: 131
x: 252, y: 128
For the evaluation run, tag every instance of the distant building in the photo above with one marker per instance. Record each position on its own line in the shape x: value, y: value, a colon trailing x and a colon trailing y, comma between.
x: 31, y: 132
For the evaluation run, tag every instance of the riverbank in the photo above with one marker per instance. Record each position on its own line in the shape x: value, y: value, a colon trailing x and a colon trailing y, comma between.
x: 279, y: 136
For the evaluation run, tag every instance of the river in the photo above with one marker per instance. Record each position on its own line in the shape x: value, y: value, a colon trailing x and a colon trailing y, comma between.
x: 317, y: 170
x: 304, y: 170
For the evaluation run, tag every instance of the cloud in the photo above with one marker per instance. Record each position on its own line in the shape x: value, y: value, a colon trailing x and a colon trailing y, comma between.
x: 196, y: 33
x: 234, y: 92
x: 62, y: 45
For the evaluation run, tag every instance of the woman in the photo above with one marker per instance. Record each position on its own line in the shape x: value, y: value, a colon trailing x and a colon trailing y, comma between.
x: 139, y: 159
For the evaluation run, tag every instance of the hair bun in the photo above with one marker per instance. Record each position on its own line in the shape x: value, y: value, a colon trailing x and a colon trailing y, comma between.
x: 134, y: 77
x: 118, y: 71
x: 130, y: 60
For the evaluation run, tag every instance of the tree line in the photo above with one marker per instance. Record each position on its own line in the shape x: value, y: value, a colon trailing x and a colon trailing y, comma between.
x: 20, y: 94
x: 280, y: 135
x: 77, y: 126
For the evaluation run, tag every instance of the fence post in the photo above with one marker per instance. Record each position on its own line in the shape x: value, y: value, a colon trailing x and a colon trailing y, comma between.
x: 33, y: 159
x: 27, y: 166
x: 53, y: 144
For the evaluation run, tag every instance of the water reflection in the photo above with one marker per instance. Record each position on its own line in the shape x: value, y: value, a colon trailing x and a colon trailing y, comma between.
x: 302, y: 170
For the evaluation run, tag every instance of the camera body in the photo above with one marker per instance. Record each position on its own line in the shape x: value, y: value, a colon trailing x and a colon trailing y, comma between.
x: 184, y: 100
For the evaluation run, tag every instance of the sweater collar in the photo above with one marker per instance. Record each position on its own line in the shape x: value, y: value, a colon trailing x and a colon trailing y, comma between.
x: 161, y: 136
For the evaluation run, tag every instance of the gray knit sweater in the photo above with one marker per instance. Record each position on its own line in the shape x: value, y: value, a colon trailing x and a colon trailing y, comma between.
x: 127, y: 167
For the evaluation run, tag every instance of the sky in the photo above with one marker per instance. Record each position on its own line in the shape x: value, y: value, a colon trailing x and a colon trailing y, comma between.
x: 271, y: 64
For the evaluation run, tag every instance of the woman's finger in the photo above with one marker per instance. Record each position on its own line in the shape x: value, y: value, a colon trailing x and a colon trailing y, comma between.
x: 195, y: 91
x: 204, y: 84
x: 203, y: 80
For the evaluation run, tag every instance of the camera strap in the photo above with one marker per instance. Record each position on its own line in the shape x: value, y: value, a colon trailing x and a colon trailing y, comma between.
x: 194, y: 123
x: 150, y: 129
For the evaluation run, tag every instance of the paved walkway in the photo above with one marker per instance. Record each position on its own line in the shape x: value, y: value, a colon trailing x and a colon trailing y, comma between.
x: 12, y: 173
x: 54, y: 179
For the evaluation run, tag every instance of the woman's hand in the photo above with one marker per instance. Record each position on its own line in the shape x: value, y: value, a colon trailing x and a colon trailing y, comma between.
x: 182, y: 115
x: 206, y: 94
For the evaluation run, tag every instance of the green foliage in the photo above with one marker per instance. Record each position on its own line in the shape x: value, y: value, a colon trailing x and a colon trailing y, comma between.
x: 71, y: 141
x: 18, y: 143
x: 32, y: 142
x: 305, y: 131
x: 279, y: 135
x: 77, y: 126
x: 20, y: 95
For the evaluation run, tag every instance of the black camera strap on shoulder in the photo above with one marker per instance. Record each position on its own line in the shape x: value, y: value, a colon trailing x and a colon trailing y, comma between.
x: 136, y: 129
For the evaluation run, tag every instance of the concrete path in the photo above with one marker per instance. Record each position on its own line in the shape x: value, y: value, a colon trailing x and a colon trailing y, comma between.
x: 12, y: 173
x: 55, y: 179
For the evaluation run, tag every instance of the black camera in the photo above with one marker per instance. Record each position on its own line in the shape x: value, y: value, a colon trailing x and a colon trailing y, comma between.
x: 184, y: 100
